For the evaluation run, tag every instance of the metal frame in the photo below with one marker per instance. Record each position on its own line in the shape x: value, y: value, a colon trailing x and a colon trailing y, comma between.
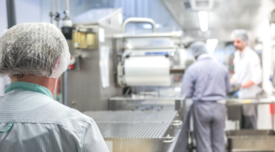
x: 139, y: 20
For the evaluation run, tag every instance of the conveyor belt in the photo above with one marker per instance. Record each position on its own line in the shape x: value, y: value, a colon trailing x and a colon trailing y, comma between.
x: 133, y: 130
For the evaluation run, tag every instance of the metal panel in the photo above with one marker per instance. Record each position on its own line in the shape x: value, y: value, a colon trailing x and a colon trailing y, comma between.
x: 255, y: 144
x: 85, y: 91
x: 251, y: 140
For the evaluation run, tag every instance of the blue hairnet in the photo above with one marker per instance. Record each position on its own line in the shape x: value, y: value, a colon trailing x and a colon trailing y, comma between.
x: 198, y: 48
x: 240, y: 34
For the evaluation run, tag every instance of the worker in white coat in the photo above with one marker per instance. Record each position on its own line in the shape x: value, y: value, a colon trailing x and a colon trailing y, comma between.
x: 34, y: 55
x: 248, y: 74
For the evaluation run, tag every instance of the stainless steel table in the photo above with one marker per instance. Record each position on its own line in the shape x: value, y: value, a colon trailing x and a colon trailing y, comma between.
x: 251, y: 140
x: 178, y: 100
x: 259, y: 101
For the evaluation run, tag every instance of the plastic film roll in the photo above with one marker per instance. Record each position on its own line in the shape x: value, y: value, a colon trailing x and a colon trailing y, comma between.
x: 147, y: 71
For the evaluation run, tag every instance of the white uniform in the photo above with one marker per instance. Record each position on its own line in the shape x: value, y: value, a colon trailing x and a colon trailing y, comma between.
x: 247, y: 67
x: 30, y: 121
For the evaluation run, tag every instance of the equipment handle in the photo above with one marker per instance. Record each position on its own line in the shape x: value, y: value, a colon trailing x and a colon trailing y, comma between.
x: 169, y: 139
x: 176, y: 123
x: 139, y: 20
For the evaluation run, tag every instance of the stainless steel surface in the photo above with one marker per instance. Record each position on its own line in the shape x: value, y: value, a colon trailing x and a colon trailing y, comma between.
x: 234, y: 15
x: 232, y: 102
x: 85, y: 91
x: 139, y: 20
x: 11, y: 16
x: 251, y: 140
x: 140, y: 97
x: 253, y: 144
x: 133, y: 116
x: 177, y: 34
x: 249, y: 133
x: 177, y: 70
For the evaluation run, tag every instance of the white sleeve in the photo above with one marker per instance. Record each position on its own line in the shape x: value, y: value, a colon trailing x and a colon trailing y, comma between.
x: 255, y: 66
x: 93, y: 140
x: 236, y: 58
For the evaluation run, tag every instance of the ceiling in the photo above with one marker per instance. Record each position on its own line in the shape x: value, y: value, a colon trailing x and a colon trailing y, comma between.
x: 223, y: 18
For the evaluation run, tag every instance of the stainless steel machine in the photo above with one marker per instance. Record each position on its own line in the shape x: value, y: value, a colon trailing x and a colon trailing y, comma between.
x: 145, y: 64
x: 91, y: 83
x: 107, y: 61
x: 104, y: 64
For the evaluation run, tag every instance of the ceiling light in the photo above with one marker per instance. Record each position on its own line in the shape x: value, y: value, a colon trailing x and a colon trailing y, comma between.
x: 211, y: 45
x: 147, y: 26
x: 203, y: 19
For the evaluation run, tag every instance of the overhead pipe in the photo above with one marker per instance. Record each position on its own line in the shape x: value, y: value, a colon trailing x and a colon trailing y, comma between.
x: 64, y: 78
x: 10, y: 13
x: 57, y: 15
x: 67, y: 12
x: 139, y: 20
x: 51, y: 12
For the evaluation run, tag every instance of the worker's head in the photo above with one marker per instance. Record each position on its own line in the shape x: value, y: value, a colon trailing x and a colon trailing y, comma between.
x: 198, y: 48
x: 240, y: 39
x: 33, y: 49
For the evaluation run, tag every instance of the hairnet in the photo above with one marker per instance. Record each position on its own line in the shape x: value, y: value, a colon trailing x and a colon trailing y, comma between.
x: 240, y: 34
x: 34, y: 48
x: 198, y: 48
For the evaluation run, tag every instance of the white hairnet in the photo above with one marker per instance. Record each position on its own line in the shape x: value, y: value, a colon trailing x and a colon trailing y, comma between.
x: 198, y: 48
x: 34, y: 48
x: 240, y: 34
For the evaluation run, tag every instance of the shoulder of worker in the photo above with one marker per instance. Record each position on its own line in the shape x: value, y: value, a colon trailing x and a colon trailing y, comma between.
x: 251, y: 53
x: 82, y: 127
x: 69, y: 117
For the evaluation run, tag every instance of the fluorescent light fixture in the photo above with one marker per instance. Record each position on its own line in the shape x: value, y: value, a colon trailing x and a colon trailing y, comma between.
x: 149, y: 26
x: 129, y: 46
x: 158, y: 26
x: 177, y: 89
x: 211, y: 45
x: 203, y: 19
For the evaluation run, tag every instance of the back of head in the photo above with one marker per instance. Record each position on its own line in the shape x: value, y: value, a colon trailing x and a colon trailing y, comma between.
x: 33, y: 49
x: 198, y: 48
x: 240, y: 34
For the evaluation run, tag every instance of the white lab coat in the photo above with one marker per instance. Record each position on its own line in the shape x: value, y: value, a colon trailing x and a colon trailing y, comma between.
x: 43, y: 124
x: 247, y: 67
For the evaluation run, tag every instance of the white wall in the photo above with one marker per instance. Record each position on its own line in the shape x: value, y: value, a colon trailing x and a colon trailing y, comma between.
x: 3, y: 17
x: 262, y: 32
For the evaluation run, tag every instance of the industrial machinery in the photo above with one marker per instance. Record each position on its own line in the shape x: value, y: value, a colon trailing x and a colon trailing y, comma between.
x: 106, y: 62
x: 145, y: 64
